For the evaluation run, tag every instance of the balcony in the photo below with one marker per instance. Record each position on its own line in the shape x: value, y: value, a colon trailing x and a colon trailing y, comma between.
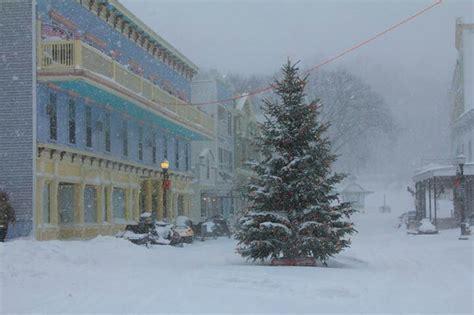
x: 67, y: 56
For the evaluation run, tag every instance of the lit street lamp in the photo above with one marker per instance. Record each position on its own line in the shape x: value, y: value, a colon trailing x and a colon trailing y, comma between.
x: 465, y: 230
x: 166, y: 184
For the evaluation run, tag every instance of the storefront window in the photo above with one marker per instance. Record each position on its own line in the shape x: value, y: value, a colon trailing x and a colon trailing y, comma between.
x: 46, y: 204
x: 90, y: 204
x: 66, y: 203
x: 118, y: 202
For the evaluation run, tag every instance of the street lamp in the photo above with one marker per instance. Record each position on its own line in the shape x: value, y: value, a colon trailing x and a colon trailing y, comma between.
x: 465, y: 231
x: 166, y: 184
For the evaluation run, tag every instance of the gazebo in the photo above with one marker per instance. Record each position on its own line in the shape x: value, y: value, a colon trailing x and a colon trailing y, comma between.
x: 354, y: 193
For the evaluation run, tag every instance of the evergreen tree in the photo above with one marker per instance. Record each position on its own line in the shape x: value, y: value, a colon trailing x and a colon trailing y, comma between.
x: 294, y: 210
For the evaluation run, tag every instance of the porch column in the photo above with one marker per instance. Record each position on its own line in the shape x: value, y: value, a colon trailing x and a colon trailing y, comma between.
x: 99, y: 204
x: 189, y: 198
x: 127, y: 202
x: 172, y: 206
x: 429, y: 196
x: 39, y: 202
x: 435, y: 202
x: 159, y: 188
x: 108, y: 205
x: 136, y: 203
x: 53, y: 202
x: 148, y: 199
x: 79, y: 203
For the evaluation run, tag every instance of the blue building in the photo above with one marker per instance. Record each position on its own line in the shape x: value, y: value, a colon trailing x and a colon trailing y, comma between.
x: 108, y: 104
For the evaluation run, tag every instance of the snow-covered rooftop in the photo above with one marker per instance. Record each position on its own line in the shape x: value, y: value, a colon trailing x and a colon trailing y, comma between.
x: 436, y: 170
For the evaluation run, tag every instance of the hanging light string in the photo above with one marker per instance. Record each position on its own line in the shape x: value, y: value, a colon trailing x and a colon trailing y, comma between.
x: 316, y: 67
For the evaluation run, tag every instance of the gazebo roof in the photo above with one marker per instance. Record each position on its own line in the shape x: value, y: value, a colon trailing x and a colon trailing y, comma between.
x: 435, y: 170
x: 353, y: 187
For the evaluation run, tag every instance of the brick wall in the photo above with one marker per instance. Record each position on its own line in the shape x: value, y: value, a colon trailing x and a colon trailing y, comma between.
x: 16, y: 110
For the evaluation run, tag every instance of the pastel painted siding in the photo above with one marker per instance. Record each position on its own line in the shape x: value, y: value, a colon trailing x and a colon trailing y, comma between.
x: 98, y: 131
x: 17, y: 114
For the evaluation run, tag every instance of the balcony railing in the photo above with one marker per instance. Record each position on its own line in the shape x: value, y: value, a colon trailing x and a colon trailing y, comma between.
x: 68, y: 55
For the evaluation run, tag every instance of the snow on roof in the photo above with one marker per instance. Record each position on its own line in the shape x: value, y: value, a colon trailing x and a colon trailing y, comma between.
x: 241, y: 101
x: 205, y: 152
x: 353, y: 187
x: 436, y: 170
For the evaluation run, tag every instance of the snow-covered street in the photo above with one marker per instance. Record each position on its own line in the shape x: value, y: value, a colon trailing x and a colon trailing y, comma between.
x: 385, y: 271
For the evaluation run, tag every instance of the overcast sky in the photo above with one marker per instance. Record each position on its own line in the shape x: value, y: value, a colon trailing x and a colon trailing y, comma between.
x: 411, y: 67
x: 256, y: 36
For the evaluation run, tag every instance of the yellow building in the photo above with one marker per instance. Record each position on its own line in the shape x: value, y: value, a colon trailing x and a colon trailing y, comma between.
x: 110, y: 104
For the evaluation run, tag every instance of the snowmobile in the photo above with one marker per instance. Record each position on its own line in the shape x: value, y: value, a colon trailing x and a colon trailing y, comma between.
x: 149, y: 232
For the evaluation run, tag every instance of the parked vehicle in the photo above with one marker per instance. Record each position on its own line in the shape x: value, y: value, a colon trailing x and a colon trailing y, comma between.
x: 183, y: 225
x: 221, y: 226
x: 214, y: 227
x: 426, y: 227
x: 167, y: 234
x: 149, y: 232
x: 408, y: 219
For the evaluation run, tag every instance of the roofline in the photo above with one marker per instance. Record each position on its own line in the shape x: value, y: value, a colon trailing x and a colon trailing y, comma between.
x: 120, y: 7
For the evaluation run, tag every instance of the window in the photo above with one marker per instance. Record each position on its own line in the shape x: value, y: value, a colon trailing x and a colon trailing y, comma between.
x: 229, y: 123
x: 105, y: 204
x: 165, y: 147
x: 46, y: 204
x: 90, y: 204
x: 124, y: 138
x: 140, y: 143
x: 176, y: 153
x: 186, y: 156
x: 180, y: 205
x: 470, y: 150
x: 53, y: 118
x: 118, y: 203
x: 66, y: 203
x: 107, y: 132
x: 153, y: 148
x: 72, y: 121
x: 221, y: 113
x: 208, y: 168
x: 88, y: 126
x: 204, y: 204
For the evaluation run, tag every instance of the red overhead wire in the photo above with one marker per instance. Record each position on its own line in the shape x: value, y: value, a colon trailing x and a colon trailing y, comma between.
x: 345, y: 52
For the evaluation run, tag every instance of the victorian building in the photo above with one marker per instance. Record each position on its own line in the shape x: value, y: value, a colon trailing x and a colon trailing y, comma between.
x: 92, y: 101
x: 213, y: 161
x: 439, y: 191
x: 246, y: 128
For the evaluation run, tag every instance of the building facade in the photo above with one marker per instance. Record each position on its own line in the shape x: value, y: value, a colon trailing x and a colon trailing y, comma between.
x: 108, y: 104
x: 439, y: 191
x: 246, y: 128
x: 213, y: 161
x: 462, y: 93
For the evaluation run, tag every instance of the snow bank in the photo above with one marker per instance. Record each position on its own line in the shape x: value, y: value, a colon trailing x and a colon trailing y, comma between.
x: 385, y: 271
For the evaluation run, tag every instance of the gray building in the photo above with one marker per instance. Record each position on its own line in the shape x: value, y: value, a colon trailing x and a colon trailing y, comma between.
x: 17, y: 108
x: 213, y: 161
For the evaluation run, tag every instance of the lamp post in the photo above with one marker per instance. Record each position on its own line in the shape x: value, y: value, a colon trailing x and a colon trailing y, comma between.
x: 465, y: 231
x: 166, y: 184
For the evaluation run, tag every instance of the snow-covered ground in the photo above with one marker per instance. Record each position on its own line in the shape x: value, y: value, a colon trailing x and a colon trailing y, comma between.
x: 385, y: 271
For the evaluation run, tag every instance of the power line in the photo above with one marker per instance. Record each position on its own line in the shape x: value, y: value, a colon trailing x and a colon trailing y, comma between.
x: 343, y: 53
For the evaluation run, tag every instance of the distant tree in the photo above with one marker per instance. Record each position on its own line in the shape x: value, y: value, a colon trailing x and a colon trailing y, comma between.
x: 359, y: 116
x: 294, y: 211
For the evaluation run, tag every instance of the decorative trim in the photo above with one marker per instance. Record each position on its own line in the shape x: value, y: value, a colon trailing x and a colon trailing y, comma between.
x: 94, y: 40
x: 55, y: 15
